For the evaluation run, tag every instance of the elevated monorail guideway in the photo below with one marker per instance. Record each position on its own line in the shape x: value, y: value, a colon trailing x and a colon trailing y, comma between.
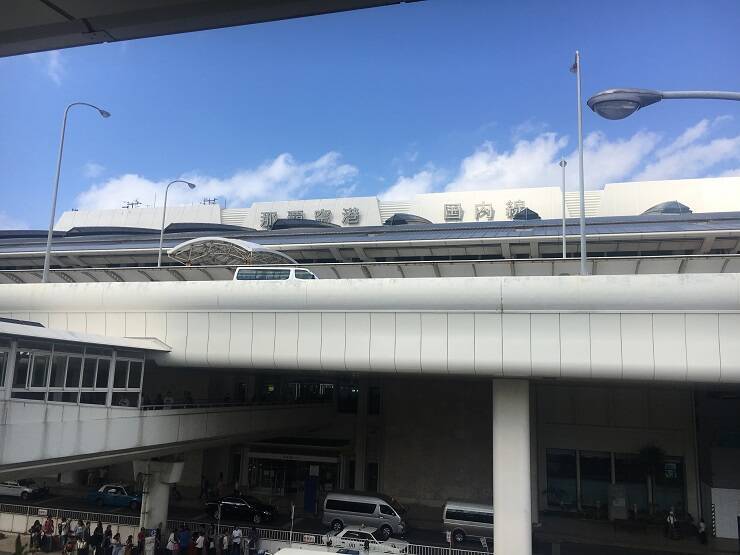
x: 647, y: 327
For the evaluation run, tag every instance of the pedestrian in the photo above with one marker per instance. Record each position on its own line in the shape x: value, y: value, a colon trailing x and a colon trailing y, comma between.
x: 79, y: 530
x: 672, y: 524
x: 183, y: 539
x: 115, y: 544
x: 224, y: 544
x: 211, y: 542
x: 236, y: 541
x: 172, y: 546
x: 97, y: 539
x: 702, y: 532
x: 107, y: 540
x: 35, y: 532
x: 128, y: 547
x: 140, y: 539
x: 63, y: 528
x: 47, y: 534
x: 199, y: 543
x: 158, y: 540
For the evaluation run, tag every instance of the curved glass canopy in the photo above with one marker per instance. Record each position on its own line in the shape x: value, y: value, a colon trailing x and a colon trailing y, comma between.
x: 220, y: 251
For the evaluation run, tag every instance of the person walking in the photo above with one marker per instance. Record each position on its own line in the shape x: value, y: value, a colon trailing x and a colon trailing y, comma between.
x: 224, y: 544
x: 173, y: 547
x: 236, y: 541
x: 128, y: 547
x: 47, y: 532
x: 96, y: 542
x: 35, y: 531
x: 140, y: 539
x: 107, y: 540
x: 116, y: 545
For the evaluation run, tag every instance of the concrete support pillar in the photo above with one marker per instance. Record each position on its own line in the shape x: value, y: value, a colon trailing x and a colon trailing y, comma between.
x: 155, y: 500
x: 361, y: 437
x: 512, y: 496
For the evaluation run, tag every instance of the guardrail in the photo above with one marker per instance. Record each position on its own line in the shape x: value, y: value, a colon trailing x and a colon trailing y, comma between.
x: 19, y: 518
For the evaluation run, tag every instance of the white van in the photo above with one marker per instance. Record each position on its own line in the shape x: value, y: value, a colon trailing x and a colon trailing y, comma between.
x: 374, y: 510
x: 467, y: 520
x: 270, y: 273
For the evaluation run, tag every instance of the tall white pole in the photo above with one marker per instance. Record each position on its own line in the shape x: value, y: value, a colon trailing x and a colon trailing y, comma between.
x: 161, y: 230
x: 47, y: 256
x: 562, y: 164
x: 581, y: 188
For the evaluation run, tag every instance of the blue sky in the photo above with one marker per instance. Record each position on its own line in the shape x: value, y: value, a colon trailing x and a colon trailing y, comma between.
x: 430, y: 96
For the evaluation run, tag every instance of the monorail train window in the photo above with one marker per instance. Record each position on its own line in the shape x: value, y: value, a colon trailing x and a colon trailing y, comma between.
x: 264, y: 274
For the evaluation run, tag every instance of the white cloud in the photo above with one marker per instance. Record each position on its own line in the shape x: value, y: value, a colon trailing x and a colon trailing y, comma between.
x: 53, y: 64
x: 276, y: 179
x: 406, y: 187
x: 694, y: 160
x: 93, y: 170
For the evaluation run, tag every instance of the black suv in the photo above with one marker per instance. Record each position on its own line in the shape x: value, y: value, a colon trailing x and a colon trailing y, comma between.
x: 241, y: 508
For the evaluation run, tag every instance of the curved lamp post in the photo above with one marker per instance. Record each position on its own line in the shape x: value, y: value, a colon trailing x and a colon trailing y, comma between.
x: 47, y: 256
x: 164, y: 213
x: 620, y: 103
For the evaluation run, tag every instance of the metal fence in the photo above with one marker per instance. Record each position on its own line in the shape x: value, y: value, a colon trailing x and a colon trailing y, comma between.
x: 19, y: 518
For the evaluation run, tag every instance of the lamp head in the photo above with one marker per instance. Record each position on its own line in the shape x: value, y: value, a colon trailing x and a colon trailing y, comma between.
x: 562, y: 163
x: 104, y: 113
x: 191, y: 185
x: 620, y: 103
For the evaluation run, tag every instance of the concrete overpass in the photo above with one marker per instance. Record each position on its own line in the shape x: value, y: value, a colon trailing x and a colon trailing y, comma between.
x: 37, y: 25
x: 651, y: 327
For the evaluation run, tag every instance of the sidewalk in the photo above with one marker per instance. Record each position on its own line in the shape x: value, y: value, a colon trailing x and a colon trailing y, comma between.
x: 555, y: 530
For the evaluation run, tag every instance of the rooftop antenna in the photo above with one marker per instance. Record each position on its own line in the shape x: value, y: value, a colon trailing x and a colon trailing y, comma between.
x: 209, y: 201
x: 131, y: 204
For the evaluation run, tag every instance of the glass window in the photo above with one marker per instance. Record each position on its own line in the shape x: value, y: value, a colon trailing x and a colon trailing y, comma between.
x: 134, y: 374
x: 40, y: 368
x: 630, y: 473
x: 106, y: 352
x: 125, y: 399
x: 596, y: 476
x: 90, y: 398
x: 101, y: 381
x: 28, y: 395
x: 74, y: 368
x: 264, y: 274
x: 63, y: 396
x: 20, y: 374
x: 347, y: 396
x: 669, y: 486
x: 386, y: 510
x: 88, y: 374
x: 561, y: 479
x: 119, y: 380
x: 304, y: 274
x: 58, y: 366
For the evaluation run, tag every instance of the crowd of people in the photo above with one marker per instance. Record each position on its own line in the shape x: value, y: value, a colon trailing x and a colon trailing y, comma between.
x: 212, y: 542
x: 80, y: 538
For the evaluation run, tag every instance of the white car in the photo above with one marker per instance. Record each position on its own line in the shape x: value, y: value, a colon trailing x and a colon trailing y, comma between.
x: 25, y: 489
x: 365, y: 539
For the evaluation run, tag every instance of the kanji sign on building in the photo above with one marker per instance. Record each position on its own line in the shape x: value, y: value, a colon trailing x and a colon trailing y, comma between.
x: 296, y: 214
x: 267, y: 219
x: 323, y: 215
x: 351, y: 216
x: 453, y: 212
x: 514, y: 207
x: 484, y: 211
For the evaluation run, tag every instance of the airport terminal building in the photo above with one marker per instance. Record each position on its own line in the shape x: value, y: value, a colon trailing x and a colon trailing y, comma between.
x: 448, y: 350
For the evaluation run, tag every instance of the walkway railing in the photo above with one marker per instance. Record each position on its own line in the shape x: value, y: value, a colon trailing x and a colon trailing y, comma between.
x: 19, y: 518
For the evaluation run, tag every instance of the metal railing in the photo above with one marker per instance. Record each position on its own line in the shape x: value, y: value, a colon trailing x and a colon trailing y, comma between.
x: 69, y: 514
x: 277, y: 535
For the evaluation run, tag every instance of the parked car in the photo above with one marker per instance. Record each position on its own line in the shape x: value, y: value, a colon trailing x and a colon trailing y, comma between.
x: 365, y: 539
x: 115, y: 495
x: 25, y: 489
x: 467, y: 520
x: 241, y: 508
x: 373, y: 510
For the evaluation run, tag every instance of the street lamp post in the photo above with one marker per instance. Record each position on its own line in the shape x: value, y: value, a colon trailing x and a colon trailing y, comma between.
x: 621, y: 103
x: 562, y: 164
x: 47, y: 256
x: 576, y: 68
x: 164, y: 213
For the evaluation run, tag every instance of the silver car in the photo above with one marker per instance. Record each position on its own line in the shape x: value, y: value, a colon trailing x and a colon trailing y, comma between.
x: 467, y: 520
x: 25, y: 489
x: 374, y: 510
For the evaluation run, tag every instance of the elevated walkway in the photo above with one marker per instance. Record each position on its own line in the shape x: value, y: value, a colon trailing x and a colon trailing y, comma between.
x: 40, y: 437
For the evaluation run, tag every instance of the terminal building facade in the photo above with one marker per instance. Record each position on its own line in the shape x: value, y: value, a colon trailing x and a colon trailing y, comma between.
x: 448, y: 351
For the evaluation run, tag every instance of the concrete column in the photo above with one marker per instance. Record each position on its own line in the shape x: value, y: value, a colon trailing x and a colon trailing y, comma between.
x: 512, y: 501
x: 361, y: 437
x: 155, y: 499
